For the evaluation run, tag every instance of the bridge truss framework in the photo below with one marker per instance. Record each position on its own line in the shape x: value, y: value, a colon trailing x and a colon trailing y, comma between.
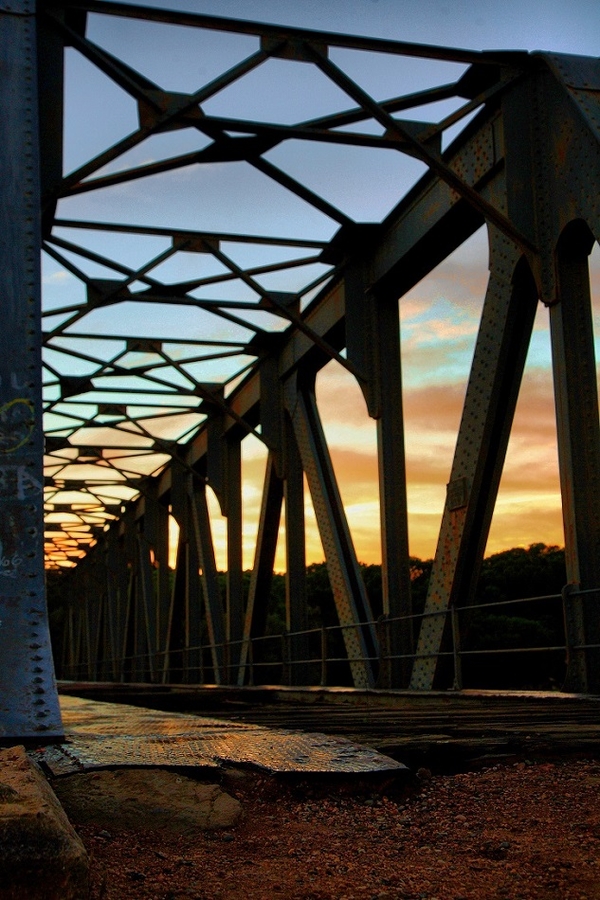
x: 135, y: 428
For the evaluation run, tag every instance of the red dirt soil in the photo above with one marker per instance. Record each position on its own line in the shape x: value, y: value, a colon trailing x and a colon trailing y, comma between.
x: 521, y: 831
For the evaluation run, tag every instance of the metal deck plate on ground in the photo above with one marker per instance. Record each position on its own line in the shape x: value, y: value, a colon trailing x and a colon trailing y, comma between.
x: 105, y: 735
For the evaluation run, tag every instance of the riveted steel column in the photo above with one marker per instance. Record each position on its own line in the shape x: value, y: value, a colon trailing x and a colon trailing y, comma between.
x: 122, y: 578
x: 576, y: 398
x: 185, y: 618
x: 264, y: 560
x: 127, y: 548
x: 68, y: 645
x: 93, y: 604
x: 112, y: 605
x: 102, y: 630
x: 498, y: 362
x: 176, y: 630
x: 296, y: 599
x: 395, y: 562
x: 351, y: 599
x: 213, y: 605
x: 28, y: 697
x: 234, y: 616
x: 156, y: 533
x: 373, y: 345
x: 147, y: 613
x: 126, y: 553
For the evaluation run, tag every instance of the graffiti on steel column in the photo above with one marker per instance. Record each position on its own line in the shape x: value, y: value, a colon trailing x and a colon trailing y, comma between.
x: 17, y: 421
x: 19, y: 486
x: 16, y: 481
x: 9, y: 563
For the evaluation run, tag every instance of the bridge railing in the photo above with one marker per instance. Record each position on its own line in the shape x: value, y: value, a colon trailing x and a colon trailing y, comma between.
x: 485, y: 645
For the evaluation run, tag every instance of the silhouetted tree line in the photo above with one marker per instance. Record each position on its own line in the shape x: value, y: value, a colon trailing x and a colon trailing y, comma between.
x: 537, y: 571
x: 520, y: 573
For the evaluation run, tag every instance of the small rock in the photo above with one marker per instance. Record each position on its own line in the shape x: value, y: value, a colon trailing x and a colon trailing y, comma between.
x: 105, y: 834
x: 135, y: 875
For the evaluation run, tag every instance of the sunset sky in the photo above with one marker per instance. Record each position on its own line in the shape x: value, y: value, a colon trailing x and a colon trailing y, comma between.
x: 439, y: 317
x: 439, y: 321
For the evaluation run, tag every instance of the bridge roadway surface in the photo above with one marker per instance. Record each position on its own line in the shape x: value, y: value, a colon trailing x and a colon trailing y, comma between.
x: 100, y: 735
x: 441, y: 730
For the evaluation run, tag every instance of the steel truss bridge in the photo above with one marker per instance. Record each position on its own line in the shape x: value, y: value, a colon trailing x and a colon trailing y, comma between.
x: 144, y: 382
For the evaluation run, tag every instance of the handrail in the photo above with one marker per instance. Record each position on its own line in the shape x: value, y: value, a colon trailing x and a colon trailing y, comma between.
x: 166, y: 662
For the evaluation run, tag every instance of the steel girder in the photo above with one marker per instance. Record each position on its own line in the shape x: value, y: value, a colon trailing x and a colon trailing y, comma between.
x: 137, y: 426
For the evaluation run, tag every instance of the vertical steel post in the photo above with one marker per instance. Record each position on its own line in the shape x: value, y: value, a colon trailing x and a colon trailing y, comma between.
x: 213, y: 605
x: 456, y: 648
x: 156, y: 532
x: 373, y: 345
x: 93, y: 603
x: 296, y: 599
x: 147, y: 630
x: 323, y: 681
x: 176, y: 629
x: 193, y: 614
x: 264, y: 560
x: 112, y: 600
x: 28, y: 697
x: 235, y: 585
x: 395, y: 561
x: 122, y: 592
x: 578, y: 429
x: 68, y: 660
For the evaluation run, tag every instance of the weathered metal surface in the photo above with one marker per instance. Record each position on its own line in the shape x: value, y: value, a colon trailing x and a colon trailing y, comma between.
x: 576, y: 398
x: 262, y: 571
x: 349, y: 593
x: 296, y: 602
x: 213, y: 607
x: 234, y: 607
x: 527, y: 166
x: 427, y: 727
x: 103, y: 735
x: 28, y: 699
x: 498, y: 362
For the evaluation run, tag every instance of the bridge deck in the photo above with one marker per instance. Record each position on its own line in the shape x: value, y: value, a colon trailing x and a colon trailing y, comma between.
x: 103, y: 735
x: 442, y: 729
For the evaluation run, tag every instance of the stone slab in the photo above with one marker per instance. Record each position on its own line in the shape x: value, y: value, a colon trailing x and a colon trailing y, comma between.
x: 146, y: 800
x: 41, y: 856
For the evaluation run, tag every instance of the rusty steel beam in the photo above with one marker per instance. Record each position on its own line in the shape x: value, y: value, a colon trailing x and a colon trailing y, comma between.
x: 286, y: 34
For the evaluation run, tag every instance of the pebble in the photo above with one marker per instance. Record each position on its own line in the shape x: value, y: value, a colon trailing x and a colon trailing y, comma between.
x: 135, y: 875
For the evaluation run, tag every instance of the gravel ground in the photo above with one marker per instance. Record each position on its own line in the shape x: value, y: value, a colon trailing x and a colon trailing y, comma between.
x: 524, y: 831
